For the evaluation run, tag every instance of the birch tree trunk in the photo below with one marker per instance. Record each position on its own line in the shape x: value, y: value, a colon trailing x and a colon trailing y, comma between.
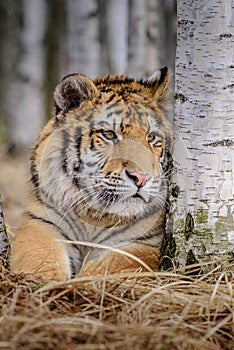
x: 117, y: 27
x: 24, y: 58
x: 83, y: 37
x: 204, y: 124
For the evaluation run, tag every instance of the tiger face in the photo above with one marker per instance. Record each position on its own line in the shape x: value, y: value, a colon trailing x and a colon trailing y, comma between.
x: 117, y: 146
x: 121, y: 158
x: 99, y: 175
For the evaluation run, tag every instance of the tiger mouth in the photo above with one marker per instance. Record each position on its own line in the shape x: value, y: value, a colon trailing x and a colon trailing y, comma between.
x: 139, y: 196
x: 111, y: 198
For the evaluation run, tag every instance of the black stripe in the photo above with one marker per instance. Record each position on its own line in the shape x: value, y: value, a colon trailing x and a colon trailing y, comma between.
x: 65, y: 218
x: 34, y: 174
x: 106, y: 89
x: 78, y: 138
x: 110, y: 234
x: 72, y: 261
x: 35, y: 217
x: 113, y: 80
x: 88, y: 118
x: 146, y: 237
x: 33, y: 171
x: 73, y: 264
x: 114, y: 104
x: 128, y: 90
x: 120, y: 230
x: 111, y: 97
x: 64, y: 151
x: 115, y: 112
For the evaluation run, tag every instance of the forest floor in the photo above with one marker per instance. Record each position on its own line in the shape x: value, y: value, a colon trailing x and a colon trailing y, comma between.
x: 150, y: 311
x: 174, y: 310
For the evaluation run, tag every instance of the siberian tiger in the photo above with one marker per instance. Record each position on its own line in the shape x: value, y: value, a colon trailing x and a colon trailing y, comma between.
x: 98, y: 182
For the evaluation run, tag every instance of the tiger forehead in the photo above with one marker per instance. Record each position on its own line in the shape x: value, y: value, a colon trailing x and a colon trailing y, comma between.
x: 126, y: 115
x: 119, y: 85
x: 122, y: 89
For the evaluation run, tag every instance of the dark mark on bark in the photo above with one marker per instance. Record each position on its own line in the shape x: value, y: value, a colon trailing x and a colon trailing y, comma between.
x: 168, y: 251
x: 190, y: 260
x: 189, y: 226
x: 175, y: 191
x: 228, y: 87
x: 180, y: 97
x: 225, y: 35
x: 223, y: 143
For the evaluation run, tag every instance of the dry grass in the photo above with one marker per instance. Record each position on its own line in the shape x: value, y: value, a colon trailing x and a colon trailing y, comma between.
x: 171, y: 310
x: 164, y: 310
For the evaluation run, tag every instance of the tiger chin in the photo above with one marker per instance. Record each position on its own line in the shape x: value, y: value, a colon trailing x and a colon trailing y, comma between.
x: 99, y: 180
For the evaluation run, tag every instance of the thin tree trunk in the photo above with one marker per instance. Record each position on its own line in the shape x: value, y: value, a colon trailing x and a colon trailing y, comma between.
x: 152, y: 48
x: 55, y: 49
x: 104, y: 67
x: 204, y: 124
x: 117, y: 26
x: 167, y: 32
x: 137, y: 38
x: 83, y: 37
x: 24, y: 105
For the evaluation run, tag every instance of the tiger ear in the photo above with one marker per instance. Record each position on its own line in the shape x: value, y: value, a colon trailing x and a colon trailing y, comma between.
x: 72, y: 91
x: 158, y: 85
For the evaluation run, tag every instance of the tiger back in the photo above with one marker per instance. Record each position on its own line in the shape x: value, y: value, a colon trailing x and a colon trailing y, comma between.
x: 98, y: 186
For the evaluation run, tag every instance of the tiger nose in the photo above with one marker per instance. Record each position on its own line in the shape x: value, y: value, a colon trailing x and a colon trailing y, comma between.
x: 139, y: 179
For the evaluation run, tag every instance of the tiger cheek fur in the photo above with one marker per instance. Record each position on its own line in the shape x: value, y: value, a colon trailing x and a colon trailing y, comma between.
x: 99, y: 176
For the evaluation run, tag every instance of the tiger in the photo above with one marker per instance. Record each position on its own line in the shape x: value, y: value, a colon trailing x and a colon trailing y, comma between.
x: 98, y: 180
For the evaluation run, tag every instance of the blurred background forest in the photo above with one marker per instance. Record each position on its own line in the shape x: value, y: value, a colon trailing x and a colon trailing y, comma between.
x: 43, y: 40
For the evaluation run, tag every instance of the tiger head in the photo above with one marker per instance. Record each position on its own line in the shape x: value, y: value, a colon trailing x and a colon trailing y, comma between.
x: 108, y: 145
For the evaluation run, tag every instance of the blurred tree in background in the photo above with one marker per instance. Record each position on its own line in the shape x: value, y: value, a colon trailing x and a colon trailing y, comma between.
x: 43, y: 40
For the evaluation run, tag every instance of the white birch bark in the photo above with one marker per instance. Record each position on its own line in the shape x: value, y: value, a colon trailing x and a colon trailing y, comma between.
x: 117, y: 27
x: 137, y: 39
x: 204, y: 123
x: 24, y: 96
x: 83, y: 37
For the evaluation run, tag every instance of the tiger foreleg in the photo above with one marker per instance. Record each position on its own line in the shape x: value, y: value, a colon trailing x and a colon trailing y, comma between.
x: 37, y: 250
x: 133, y: 257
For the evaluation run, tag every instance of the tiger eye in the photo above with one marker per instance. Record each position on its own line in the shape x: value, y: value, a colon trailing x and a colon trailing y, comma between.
x: 151, y: 137
x: 109, y: 134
